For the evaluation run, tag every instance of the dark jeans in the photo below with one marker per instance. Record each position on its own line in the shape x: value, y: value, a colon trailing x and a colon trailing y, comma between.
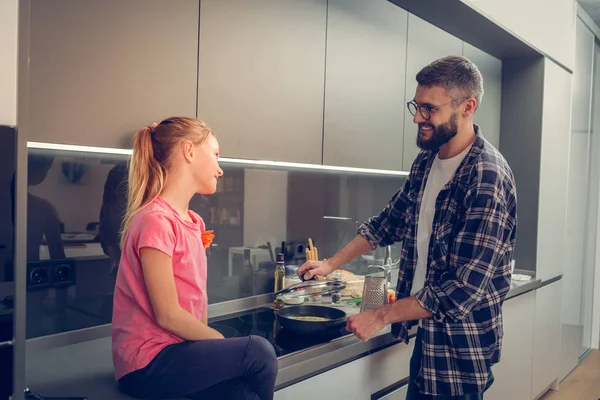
x: 413, y: 392
x: 242, y: 368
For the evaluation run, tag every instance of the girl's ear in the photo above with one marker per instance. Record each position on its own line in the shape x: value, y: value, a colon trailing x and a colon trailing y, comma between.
x: 188, y: 151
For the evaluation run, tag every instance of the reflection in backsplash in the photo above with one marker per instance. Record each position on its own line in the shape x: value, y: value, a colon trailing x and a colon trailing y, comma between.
x: 76, y: 201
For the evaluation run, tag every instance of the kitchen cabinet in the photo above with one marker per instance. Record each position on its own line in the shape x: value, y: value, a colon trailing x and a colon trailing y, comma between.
x: 426, y: 43
x: 261, y: 77
x: 547, y: 28
x: 582, y: 206
x: 364, y: 85
x: 102, y: 69
x: 512, y: 375
x: 546, y: 343
x: 487, y: 115
x: 355, y: 380
x: 554, y: 172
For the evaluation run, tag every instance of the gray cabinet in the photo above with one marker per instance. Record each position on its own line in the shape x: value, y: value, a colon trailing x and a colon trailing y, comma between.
x: 426, y: 43
x: 554, y: 172
x: 487, y: 115
x: 364, y: 85
x: 261, y: 77
x: 101, y: 69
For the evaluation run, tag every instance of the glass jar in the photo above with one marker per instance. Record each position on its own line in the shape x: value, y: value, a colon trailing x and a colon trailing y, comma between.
x: 291, y: 276
x: 336, y: 296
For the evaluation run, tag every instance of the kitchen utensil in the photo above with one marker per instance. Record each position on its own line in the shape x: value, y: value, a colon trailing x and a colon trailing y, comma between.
x: 311, y: 288
x: 374, y: 293
x: 312, y: 253
x: 336, y: 318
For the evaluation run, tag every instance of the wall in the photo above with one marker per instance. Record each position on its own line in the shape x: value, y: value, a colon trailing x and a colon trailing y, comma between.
x: 8, y: 62
x: 551, y: 29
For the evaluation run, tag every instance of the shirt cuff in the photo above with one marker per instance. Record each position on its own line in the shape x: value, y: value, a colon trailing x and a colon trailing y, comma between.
x: 365, y: 231
x: 430, y: 302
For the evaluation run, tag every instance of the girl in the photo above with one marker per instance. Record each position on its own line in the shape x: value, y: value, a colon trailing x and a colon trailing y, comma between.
x: 162, y: 346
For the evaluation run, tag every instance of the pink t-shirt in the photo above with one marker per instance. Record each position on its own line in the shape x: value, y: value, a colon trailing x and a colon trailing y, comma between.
x: 136, y: 336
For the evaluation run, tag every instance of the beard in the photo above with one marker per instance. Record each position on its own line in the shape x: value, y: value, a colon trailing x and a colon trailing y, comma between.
x: 440, y: 134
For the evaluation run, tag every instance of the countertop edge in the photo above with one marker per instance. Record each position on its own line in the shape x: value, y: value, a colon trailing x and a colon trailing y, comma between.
x: 520, y: 288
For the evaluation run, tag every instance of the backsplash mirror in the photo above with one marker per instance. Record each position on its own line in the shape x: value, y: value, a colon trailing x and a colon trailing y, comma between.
x: 76, y: 201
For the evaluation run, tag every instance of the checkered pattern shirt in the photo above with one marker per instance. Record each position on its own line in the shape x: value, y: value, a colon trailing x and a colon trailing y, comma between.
x: 468, y: 267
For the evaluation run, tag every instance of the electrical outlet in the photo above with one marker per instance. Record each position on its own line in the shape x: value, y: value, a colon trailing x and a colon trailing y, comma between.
x: 50, y: 273
x: 37, y: 277
x: 63, y: 274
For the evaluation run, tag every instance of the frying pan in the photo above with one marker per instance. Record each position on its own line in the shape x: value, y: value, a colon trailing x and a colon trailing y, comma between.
x: 336, y: 318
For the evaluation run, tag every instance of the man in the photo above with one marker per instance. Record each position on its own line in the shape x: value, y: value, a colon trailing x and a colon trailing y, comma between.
x: 456, y: 217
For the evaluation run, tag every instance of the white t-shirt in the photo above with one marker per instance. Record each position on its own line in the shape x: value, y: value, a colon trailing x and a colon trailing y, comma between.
x: 439, y: 176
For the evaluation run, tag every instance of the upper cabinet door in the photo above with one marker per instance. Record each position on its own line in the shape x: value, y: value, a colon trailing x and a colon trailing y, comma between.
x: 102, y: 69
x: 426, y: 43
x: 261, y: 77
x: 487, y: 115
x: 364, y: 85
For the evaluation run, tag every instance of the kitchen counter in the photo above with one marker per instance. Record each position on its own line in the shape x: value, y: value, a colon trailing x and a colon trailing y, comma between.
x: 518, y: 288
x: 87, y: 366
x: 298, y: 366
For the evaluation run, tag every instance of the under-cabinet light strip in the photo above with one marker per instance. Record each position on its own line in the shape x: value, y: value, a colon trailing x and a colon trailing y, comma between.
x: 338, y: 218
x: 224, y: 160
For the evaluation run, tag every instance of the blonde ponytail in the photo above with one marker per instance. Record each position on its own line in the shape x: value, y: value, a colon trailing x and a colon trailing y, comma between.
x: 152, y: 150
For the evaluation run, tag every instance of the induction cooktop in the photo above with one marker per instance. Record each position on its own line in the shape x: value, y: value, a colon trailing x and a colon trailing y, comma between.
x: 263, y: 322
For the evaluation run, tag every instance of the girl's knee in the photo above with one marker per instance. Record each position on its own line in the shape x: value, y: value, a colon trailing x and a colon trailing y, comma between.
x: 262, y: 350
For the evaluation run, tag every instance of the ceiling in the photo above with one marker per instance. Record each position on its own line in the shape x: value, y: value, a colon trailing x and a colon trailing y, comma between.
x: 593, y: 8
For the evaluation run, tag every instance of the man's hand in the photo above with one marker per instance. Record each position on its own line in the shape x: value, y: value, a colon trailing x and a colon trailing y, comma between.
x: 311, y: 268
x: 366, y: 324
x: 359, y: 245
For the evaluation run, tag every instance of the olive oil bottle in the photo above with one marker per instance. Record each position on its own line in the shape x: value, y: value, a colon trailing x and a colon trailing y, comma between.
x: 279, y: 278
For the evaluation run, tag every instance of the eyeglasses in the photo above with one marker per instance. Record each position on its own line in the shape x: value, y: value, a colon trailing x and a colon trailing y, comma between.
x: 426, y: 109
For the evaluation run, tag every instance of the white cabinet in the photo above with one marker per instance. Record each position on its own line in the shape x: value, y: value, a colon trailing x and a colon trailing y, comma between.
x: 356, y: 380
x: 554, y: 171
x: 582, y: 205
x: 426, y: 43
x: 546, y: 343
x: 364, y: 85
x: 487, y: 115
x: 398, y: 394
x: 512, y: 375
x: 261, y: 77
x: 102, y: 69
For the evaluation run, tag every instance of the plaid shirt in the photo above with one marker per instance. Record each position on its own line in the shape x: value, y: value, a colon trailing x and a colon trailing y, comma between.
x: 468, y: 267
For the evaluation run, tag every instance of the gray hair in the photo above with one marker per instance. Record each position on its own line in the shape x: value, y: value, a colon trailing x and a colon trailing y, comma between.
x: 457, y: 74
